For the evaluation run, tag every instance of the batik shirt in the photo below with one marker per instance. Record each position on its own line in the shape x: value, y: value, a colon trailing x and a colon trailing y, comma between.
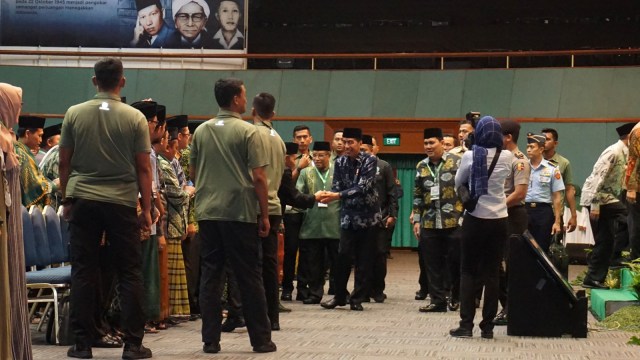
x: 35, y: 187
x: 184, y: 163
x: 435, y: 202
x: 175, y: 200
x: 354, y: 179
x: 604, y: 185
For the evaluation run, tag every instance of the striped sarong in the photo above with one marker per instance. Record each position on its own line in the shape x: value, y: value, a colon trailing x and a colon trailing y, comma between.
x: 178, y: 293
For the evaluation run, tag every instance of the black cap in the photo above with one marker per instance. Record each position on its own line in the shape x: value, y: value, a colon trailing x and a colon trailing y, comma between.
x: 50, y: 131
x: 173, y: 133
x: 536, y: 138
x: 292, y: 148
x: 352, y: 133
x: 31, y: 122
x: 625, y: 129
x: 141, y: 4
x: 178, y: 121
x: 321, y: 146
x: 367, y: 139
x: 148, y: 108
x: 432, y: 133
x: 193, y: 124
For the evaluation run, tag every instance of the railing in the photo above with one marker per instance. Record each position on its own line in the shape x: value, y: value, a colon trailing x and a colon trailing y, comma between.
x: 442, y: 58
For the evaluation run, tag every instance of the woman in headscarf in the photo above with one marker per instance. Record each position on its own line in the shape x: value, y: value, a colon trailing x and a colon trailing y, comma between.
x: 15, y: 341
x: 484, y: 229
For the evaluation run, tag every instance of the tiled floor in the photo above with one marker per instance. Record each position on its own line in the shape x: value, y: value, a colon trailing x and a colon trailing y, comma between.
x: 392, y: 330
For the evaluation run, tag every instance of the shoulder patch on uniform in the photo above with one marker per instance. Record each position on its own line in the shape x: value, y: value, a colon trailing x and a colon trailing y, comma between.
x: 520, y: 167
x: 557, y: 174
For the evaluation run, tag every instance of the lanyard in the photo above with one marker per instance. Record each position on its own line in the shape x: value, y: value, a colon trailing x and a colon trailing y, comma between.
x: 324, y: 180
x: 435, y: 174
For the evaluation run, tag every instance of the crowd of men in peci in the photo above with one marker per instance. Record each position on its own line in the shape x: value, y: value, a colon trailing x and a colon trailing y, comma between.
x: 174, y: 220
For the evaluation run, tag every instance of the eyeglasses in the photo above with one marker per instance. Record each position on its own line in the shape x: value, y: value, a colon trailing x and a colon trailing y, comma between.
x: 196, y: 18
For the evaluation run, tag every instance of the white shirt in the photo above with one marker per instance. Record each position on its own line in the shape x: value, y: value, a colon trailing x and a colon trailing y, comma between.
x: 494, y: 204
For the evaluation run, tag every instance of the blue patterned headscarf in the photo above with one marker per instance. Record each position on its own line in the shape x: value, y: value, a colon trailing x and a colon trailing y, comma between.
x: 488, y: 134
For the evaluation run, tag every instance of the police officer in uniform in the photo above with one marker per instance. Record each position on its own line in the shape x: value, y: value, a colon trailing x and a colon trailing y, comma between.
x: 515, y: 189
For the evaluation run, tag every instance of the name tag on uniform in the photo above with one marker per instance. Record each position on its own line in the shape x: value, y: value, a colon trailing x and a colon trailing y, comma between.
x: 323, y: 205
x: 435, y: 192
x: 545, y: 179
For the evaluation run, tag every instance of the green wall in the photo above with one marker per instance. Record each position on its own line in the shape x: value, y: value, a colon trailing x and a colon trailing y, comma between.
x: 541, y: 93
x: 586, y: 93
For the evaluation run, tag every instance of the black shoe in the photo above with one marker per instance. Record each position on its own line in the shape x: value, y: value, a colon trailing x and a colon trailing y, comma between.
x: 331, y: 304
x: 379, y: 298
x: 433, y: 308
x: 275, y: 326
x: 593, y: 284
x: 211, y: 348
x: 136, y: 352
x: 486, y: 334
x: 311, y: 300
x: 231, y: 324
x: 286, y: 296
x: 268, y: 347
x: 367, y: 299
x: 501, y: 318
x: 300, y: 297
x: 461, y: 333
x: 421, y: 295
x: 356, y: 307
x: 194, y: 317
x: 80, y: 352
x: 108, y: 341
x: 453, y: 305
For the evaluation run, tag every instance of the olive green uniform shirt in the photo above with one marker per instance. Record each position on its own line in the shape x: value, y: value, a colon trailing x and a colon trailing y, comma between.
x: 224, y: 150
x: 276, y: 151
x: 320, y: 222
x: 105, y: 135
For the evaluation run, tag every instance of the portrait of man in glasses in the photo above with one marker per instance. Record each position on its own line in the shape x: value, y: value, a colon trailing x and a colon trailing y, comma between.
x: 190, y: 18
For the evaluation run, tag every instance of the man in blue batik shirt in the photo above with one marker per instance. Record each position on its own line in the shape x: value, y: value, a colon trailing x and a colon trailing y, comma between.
x: 354, y: 185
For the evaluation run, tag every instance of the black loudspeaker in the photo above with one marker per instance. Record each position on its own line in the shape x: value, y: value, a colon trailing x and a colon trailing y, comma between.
x: 541, y: 302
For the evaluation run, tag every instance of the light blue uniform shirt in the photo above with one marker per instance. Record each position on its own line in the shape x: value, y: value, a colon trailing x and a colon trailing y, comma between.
x: 544, y: 181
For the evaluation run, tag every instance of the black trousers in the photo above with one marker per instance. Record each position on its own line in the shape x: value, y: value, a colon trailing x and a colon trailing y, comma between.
x: 434, y: 245
x: 292, y: 224
x: 356, y: 247
x: 318, y: 250
x: 239, y: 243
x: 482, y: 242
x: 541, y: 221
x: 89, y: 219
x: 270, y: 268
x: 634, y: 229
x: 382, y: 247
x: 191, y: 255
x: 269, y: 275
x: 423, y: 279
x: 517, y: 224
x: 611, y: 224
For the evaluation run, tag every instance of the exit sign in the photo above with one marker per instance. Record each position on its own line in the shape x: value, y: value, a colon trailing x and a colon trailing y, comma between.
x: 391, y: 139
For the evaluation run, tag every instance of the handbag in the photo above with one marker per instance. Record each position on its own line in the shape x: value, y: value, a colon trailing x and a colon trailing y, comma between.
x: 558, y: 255
x: 469, y: 203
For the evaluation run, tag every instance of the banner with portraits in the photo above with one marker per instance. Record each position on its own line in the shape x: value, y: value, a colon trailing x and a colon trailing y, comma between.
x: 207, y: 26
